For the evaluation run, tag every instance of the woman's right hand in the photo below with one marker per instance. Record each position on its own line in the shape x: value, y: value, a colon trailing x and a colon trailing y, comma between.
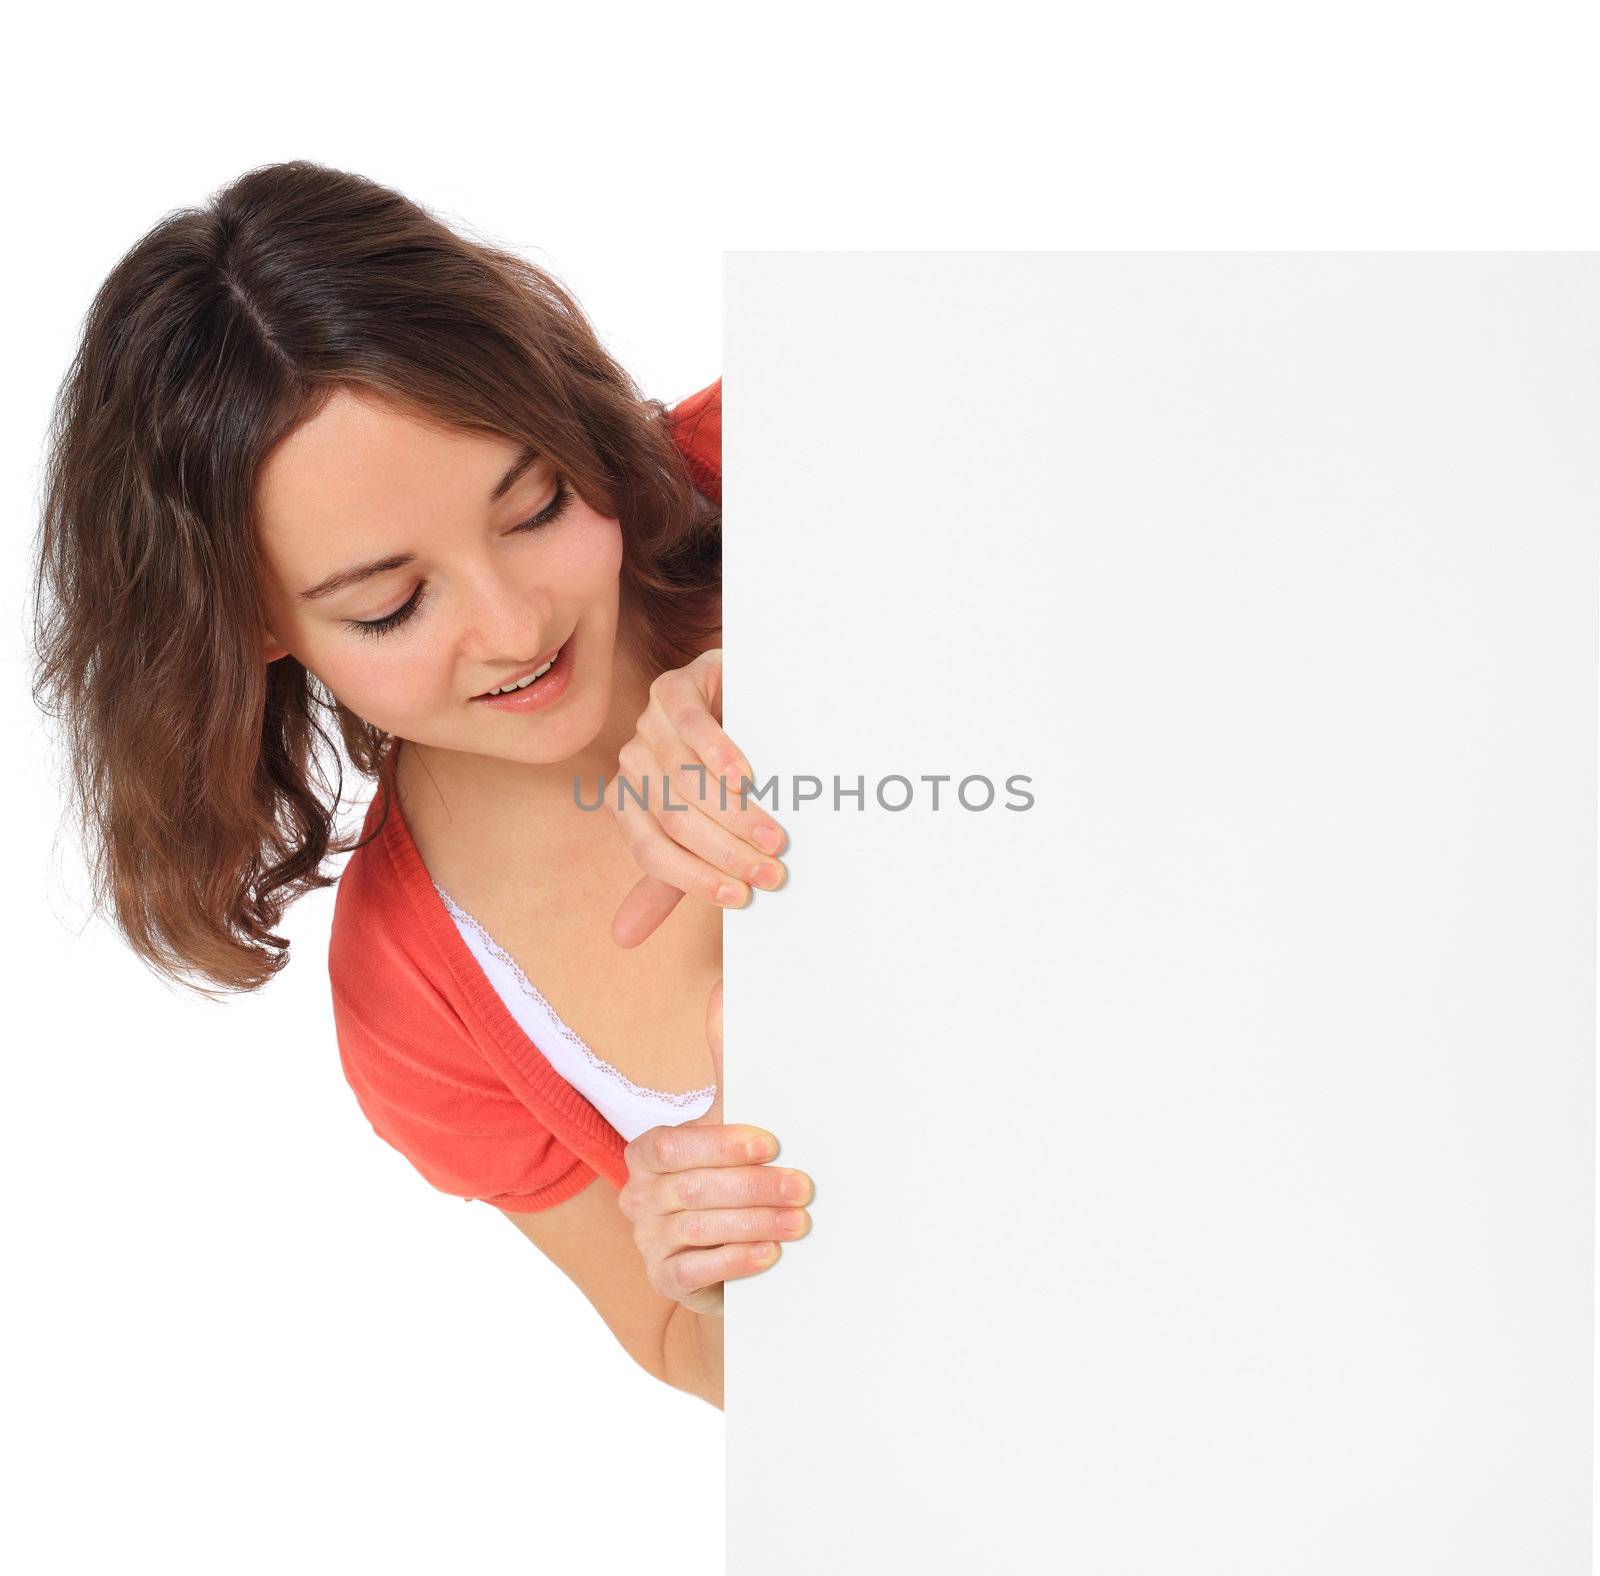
x: 705, y: 1208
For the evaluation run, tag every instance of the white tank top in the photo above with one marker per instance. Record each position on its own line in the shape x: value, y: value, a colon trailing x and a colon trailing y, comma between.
x: 627, y: 1106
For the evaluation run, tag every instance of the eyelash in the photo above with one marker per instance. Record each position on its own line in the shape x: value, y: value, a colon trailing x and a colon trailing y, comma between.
x: 548, y: 515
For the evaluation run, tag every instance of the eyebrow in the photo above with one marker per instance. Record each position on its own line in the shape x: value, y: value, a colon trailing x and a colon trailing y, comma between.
x: 529, y: 458
x: 343, y: 579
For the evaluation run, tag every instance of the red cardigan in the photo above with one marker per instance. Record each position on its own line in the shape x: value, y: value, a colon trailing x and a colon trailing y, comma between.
x: 439, y: 1066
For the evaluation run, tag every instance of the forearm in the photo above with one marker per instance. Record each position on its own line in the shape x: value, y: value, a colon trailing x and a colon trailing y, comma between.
x: 692, y: 1354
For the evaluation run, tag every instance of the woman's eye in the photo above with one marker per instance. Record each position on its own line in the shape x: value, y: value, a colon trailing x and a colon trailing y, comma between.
x: 548, y: 515
x: 381, y: 626
x: 551, y: 512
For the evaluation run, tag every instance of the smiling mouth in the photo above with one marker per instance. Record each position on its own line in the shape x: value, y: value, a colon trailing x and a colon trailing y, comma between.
x: 525, y: 678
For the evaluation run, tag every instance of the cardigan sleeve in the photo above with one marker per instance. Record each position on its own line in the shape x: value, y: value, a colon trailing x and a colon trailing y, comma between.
x: 420, y: 1079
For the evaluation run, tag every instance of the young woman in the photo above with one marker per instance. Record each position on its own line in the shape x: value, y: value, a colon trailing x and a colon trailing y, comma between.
x: 321, y: 460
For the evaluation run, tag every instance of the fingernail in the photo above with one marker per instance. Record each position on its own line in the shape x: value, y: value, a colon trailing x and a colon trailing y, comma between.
x: 761, y: 1148
x: 767, y: 838
x: 766, y: 876
x: 795, y: 1188
x: 730, y: 894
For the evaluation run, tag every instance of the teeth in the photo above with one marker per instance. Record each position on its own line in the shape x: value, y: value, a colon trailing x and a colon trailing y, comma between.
x: 511, y: 689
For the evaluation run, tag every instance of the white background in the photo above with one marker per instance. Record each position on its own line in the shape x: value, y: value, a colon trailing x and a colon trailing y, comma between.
x: 218, y: 1270
x: 1206, y: 1151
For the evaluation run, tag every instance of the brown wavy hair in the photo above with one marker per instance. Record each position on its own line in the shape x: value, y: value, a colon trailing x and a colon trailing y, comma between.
x: 202, y: 778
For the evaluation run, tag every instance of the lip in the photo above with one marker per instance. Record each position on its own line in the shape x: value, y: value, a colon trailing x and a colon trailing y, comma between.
x: 544, y: 691
x: 521, y: 673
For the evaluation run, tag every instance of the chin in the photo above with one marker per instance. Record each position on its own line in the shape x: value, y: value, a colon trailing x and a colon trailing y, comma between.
x: 550, y: 741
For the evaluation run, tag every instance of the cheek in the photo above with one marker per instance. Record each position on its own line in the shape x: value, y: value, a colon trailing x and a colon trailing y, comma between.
x: 385, y: 681
x: 587, y: 561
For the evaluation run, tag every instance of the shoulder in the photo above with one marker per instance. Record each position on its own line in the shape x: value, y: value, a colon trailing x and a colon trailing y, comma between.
x: 387, y: 998
x: 385, y: 989
x: 413, y: 1061
x: 706, y: 401
x: 696, y: 424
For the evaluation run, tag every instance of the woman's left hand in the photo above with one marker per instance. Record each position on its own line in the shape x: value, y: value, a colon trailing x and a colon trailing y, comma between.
x: 697, y: 839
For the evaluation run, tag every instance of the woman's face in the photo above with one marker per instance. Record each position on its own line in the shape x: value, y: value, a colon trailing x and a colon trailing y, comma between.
x: 399, y: 578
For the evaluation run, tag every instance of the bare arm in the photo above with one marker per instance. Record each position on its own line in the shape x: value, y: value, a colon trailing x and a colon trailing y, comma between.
x: 591, y: 1241
x: 700, y: 1207
x: 693, y: 1353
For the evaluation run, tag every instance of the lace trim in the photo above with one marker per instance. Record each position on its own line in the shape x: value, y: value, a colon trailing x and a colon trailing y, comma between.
x: 599, y: 1063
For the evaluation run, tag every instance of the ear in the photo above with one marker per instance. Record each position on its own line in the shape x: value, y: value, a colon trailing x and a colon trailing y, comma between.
x: 274, y: 650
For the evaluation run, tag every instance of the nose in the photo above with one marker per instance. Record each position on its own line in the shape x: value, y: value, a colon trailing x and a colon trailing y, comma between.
x: 504, y: 621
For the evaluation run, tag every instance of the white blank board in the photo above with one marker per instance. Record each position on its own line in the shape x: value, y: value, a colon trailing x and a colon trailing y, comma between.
x: 1204, y: 1154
